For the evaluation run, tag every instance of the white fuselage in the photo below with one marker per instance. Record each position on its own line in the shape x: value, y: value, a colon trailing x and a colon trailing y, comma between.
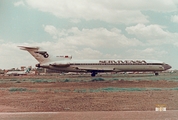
x: 107, y: 66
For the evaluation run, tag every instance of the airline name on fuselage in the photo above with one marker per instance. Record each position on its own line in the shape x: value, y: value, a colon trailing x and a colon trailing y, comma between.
x: 122, y: 62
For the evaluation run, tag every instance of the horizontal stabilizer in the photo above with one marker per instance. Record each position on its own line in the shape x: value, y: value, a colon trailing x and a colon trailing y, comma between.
x: 28, y: 48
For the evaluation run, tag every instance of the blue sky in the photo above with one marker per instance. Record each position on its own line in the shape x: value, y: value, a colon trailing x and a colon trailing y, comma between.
x: 89, y: 29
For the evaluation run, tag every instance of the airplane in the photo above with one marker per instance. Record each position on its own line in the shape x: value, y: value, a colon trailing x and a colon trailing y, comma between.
x: 67, y: 64
x: 17, y: 73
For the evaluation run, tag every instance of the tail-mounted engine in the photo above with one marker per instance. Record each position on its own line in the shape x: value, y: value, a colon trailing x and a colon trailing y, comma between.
x: 44, y: 53
x: 37, y: 65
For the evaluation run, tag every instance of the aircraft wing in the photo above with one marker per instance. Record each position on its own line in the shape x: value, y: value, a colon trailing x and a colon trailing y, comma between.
x: 55, y: 64
x: 90, y: 69
x: 60, y: 65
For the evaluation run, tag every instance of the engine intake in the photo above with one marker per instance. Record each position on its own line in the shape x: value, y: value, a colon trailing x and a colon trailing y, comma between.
x: 37, y: 65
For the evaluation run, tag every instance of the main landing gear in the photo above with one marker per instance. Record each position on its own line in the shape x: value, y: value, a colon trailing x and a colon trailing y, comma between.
x: 156, y: 74
x: 93, y: 74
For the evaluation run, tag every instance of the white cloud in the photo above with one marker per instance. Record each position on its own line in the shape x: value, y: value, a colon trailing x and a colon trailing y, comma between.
x: 87, y: 53
x: 153, y: 5
x: 13, y: 57
x: 174, y: 18
x: 1, y: 40
x: 97, y: 37
x: 147, y: 32
x: 75, y: 21
x: 147, y: 53
x: 115, y: 11
x: 153, y: 34
x: 148, y: 50
x: 19, y: 3
x: 51, y: 30
x: 89, y: 10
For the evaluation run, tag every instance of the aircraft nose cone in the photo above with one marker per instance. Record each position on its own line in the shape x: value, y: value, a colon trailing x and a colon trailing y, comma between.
x: 167, y: 66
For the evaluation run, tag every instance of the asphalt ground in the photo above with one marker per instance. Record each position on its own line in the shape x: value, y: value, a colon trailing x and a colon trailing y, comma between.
x: 92, y: 115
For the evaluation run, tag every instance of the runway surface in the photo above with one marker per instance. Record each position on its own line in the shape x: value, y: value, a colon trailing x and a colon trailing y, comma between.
x: 92, y: 115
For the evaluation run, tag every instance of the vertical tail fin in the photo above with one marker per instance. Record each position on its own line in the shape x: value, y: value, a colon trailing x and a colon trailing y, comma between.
x: 40, y: 56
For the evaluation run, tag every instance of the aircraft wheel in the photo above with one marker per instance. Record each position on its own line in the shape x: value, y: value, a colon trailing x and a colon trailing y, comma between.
x: 156, y: 74
x: 93, y: 74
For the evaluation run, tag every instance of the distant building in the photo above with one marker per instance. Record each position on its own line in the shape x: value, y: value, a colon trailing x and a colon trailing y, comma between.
x: 2, y: 71
x: 44, y: 71
x: 22, y: 68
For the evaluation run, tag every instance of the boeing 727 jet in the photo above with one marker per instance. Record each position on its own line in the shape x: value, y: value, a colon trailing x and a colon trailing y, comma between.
x: 67, y: 64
